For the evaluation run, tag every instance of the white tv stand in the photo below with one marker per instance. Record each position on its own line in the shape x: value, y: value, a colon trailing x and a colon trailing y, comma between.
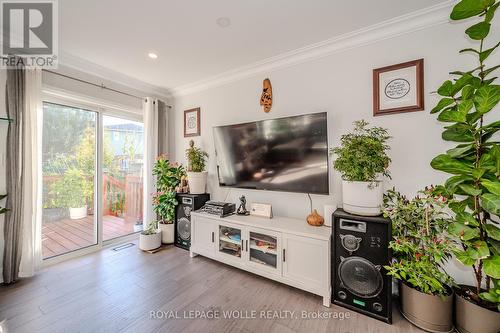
x: 282, y: 249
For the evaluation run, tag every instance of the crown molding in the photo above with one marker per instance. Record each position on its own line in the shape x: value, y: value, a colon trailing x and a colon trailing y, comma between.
x: 414, y: 21
x: 88, y: 67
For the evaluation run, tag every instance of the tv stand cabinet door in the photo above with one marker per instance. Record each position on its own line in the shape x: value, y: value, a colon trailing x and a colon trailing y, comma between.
x: 305, y: 262
x: 203, y: 236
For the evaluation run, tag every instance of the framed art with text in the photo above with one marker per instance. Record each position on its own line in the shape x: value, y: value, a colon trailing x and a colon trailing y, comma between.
x: 398, y: 88
x: 192, y: 122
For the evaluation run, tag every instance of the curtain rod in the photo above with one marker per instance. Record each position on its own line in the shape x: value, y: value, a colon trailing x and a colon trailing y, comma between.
x: 102, y: 86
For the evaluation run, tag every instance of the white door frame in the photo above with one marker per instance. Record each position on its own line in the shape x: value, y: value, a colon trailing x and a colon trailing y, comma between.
x: 101, y: 108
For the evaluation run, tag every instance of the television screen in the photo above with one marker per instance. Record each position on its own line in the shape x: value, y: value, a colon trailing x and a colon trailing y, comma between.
x: 286, y: 154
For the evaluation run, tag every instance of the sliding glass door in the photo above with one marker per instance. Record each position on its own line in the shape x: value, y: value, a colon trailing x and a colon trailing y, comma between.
x: 69, y: 156
x: 77, y: 144
x: 123, y: 152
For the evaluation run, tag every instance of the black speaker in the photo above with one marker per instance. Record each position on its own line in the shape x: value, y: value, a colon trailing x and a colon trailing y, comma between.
x: 187, y: 204
x: 360, y: 251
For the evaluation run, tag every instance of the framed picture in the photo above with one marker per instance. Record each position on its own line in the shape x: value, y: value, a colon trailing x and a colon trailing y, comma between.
x: 398, y: 88
x: 192, y: 122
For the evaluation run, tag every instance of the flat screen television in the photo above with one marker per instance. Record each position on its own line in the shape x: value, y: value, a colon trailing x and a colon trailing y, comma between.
x: 285, y: 154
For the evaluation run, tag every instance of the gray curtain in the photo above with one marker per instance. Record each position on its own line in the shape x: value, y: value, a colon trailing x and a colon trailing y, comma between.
x: 163, y: 143
x: 15, y: 91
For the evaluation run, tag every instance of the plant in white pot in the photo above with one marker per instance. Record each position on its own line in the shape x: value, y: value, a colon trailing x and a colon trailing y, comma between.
x: 197, y: 176
x: 469, y: 108
x: 70, y: 193
x: 150, y: 238
x: 421, y: 246
x: 362, y: 160
x: 168, y: 176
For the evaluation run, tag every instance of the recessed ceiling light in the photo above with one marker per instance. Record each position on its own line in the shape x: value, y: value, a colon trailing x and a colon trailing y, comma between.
x: 223, y: 22
x: 152, y: 55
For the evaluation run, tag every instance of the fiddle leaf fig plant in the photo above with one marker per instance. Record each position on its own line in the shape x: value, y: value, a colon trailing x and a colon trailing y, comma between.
x: 467, y: 106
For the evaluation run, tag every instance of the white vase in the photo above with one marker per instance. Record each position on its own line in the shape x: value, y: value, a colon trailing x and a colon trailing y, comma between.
x: 167, y: 233
x: 150, y: 242
x: 78, y: 213
x: 362, y: 198
x: 197, y: 182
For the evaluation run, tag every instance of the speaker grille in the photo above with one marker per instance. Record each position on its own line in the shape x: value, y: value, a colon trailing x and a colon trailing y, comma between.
x: 184, y: 228
x: 361, y: 277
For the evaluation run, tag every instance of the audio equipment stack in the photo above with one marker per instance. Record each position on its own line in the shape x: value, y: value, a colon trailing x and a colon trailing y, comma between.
x: 359, y: 253
x: 187, y: 204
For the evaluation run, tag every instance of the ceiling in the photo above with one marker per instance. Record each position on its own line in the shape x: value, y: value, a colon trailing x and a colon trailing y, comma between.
x: 119, y: 34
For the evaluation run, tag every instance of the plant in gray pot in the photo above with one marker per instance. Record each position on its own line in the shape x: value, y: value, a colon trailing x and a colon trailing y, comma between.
x: 420, y: 246
x: 362, y: 160
x: 468, y: 106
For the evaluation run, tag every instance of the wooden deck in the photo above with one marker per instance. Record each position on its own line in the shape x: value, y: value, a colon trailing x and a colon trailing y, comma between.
x: 68, y: 235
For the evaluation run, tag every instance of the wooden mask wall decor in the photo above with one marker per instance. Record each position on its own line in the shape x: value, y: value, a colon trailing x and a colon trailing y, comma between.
x: 266, y: 99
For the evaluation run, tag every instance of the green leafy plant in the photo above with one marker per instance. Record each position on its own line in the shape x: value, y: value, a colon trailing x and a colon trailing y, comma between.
x: 3, y: 210
x: 362, y: 155
x: 151, y: 229
x: 168, y: 177
x: 69, y: 190
x: 419, y: 242
x: 474, y: 188
x: 196, y: 157
x: 164, y: 206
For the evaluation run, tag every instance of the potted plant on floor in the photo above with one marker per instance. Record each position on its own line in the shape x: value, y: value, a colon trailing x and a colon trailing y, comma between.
x: 150, y: 238
x: 420, y: 246
x: 467, y: 104
x: 168, y: 177
x: 197, y: 176
x: 362, y: 160
x: 70, y: 193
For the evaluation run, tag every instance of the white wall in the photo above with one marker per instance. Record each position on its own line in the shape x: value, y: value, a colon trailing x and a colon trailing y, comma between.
x: 340, y: 84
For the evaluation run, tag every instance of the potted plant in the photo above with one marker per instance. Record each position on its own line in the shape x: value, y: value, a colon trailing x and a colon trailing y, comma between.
x: 420, y: 246
x: 70, y: 193
x: 362, y: 160
x: 150, y: 238
x: 466, y: 106
x: 197, y: 176
x: 168, y: 177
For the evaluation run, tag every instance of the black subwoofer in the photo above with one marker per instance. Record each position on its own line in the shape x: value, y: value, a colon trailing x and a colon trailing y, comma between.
x: 187, y: 204
x: 359, y: 252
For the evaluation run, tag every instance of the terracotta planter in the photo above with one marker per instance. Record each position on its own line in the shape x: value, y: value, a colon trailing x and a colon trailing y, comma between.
x: 167, y: 233
x: 472, y: 318
x: 428, y: 312
x: 360, y: 198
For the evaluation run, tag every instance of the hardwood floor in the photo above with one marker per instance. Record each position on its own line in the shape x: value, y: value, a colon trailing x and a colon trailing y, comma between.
x: 67, y: 235
x: 111, y: 291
